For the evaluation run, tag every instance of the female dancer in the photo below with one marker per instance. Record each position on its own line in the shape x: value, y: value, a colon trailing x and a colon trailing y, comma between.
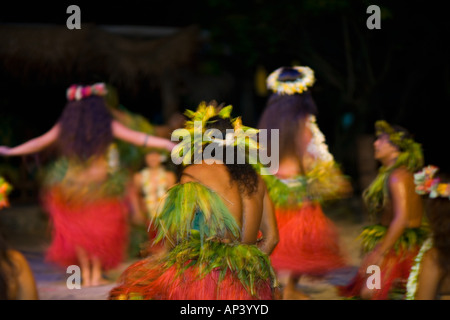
x: 84, y: 191
x: 430, y: 275
x: 209, y: 223
x: 307, y: 175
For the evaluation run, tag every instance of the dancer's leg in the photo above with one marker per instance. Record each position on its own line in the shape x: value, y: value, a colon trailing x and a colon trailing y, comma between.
x: 85, y: 266
x: 291, y: 292
x: 97, y: 278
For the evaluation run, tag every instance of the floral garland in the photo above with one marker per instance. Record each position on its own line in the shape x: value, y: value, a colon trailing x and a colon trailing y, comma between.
x: 426, y: 184
x: 317, y: 146
x: 411, y: 286
x: 5, y: 189
x: 300, y: 85
x: 195, y: 136
x: 152, y: 196
x: 76, y: 92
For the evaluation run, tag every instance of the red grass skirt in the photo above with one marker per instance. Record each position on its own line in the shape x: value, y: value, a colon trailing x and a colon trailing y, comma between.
x: 309, y: 242
x: 146, y: 280
x: 395, y: 270
x: 98, y: 226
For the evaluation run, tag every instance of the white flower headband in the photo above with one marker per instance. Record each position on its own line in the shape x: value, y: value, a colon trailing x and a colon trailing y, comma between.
x: 300, y: 85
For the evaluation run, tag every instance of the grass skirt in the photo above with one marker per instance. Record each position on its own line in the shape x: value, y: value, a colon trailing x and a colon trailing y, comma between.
x: 98, y: 226
x: 396, y: 265
x: 196, y: 271
x: 309, y: 242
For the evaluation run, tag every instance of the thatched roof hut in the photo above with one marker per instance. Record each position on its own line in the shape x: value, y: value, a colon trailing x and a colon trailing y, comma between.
x: 37, y: 63
x: 56, y: 52
x: 53, y: 54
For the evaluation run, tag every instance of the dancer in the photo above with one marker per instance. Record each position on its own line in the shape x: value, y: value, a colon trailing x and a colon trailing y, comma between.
x: 16, y: 277
x: 83, y: 193
x: 5, y: 189
x: 430, y: 275
x: 150, y: 185
x: 393, y: 242
x: 209, y: 223
x: 307, y: 176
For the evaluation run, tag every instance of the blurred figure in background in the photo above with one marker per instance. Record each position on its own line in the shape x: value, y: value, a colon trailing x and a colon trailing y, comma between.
x: 394, y: 240
x: 149, y: 187
x: 84, y: 191
x: 16, y: 277
x: 430, y: 275
x: 307, y: 176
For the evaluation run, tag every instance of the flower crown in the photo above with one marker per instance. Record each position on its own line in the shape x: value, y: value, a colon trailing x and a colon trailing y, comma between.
x: 5, y: 189
x: 301, y: 84
x: 195, y: 136
x: 426, y: 184
x: 76, y: 92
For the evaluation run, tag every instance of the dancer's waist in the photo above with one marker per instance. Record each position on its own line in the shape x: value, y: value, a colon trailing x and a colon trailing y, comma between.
x: 411, y: 238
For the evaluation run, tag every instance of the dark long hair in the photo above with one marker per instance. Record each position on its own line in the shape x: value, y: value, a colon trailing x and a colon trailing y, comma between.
x: 439, y: 218
x: 85, y: 128
x: 6, y: 267
x: 283, y: 112
x: 243, y: 174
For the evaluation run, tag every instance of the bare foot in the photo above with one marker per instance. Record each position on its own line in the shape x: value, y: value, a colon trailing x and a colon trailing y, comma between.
x: 293, y: 294
x: 100, y: 282
x: 86, y: 282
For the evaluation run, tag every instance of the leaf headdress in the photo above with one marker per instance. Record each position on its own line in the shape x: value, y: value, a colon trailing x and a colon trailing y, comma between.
x: 195, y: 136
x: 411, y: 157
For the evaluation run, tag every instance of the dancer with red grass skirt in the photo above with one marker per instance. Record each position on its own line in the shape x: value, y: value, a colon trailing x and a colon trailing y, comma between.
x: 209, y: 223
x: 83, y: 190
x: 307, y: 176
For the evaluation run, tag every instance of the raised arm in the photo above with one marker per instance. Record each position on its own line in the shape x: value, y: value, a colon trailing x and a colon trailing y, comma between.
x: 34, y: 145
x: 139, y: 138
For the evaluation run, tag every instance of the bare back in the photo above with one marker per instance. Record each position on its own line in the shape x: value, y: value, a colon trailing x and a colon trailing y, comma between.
x: 246, y: 209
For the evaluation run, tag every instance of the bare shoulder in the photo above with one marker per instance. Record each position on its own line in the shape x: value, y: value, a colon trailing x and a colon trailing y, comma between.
x: 204, y: 172
x: 401, y: 175
x: 261, y: 187
x: 18, y: 259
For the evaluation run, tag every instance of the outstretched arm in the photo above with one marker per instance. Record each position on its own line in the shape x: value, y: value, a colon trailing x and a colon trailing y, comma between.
x: 34, y: 145
x: 139, y: 138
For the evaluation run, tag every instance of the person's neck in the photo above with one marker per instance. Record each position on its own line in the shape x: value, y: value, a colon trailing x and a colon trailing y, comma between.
x: 389, y: 160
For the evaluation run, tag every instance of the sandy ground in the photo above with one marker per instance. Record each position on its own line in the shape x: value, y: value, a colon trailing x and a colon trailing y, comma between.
x: 52, y: 282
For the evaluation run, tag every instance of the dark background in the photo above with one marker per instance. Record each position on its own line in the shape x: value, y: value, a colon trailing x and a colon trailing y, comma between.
x: 400, y: 73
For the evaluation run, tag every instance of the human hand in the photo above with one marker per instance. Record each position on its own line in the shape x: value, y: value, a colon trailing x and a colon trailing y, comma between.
x: 375, y: 257
x: 4, y: 151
